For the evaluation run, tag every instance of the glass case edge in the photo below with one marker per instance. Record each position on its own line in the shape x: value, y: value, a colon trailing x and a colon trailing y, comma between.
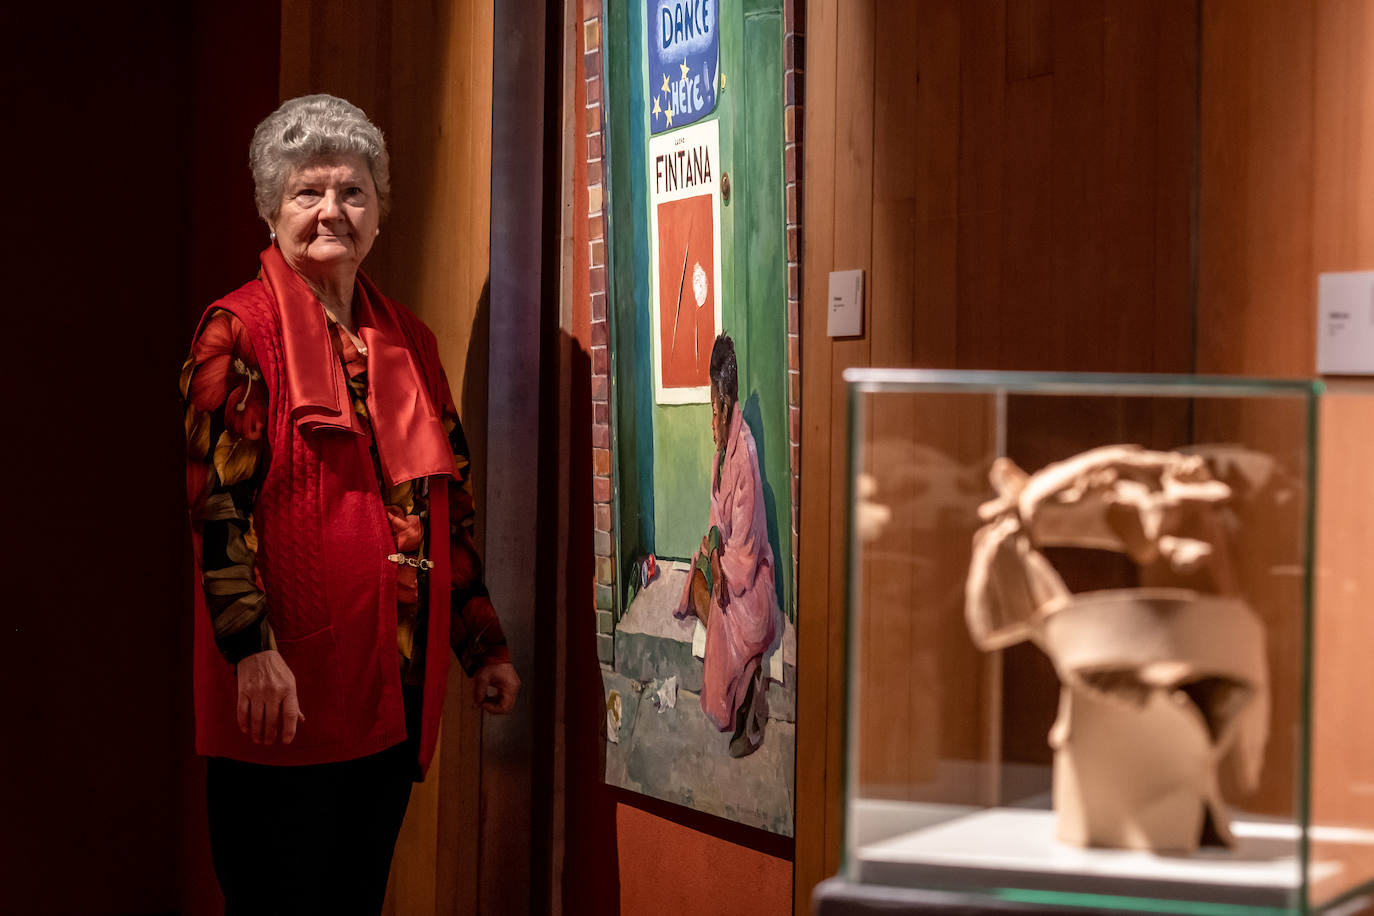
x: 851, y: 585
x: 877, y: 379
x: 1304, y: 769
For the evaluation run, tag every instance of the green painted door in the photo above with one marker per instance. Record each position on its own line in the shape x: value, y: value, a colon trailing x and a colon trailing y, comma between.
x: 663, y: 451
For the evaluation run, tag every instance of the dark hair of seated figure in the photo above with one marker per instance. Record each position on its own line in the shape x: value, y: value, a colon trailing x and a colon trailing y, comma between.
x: 724, y: 369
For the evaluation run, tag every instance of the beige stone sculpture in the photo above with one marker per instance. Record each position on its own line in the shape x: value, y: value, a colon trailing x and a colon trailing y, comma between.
x: 1158, y: 683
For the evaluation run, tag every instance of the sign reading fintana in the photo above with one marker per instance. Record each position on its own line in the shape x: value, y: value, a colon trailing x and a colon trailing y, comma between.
x: 684, y: 224
x: 683, y: 167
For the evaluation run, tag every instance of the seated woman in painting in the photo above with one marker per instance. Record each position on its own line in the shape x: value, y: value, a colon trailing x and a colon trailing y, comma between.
x: 731, y: 587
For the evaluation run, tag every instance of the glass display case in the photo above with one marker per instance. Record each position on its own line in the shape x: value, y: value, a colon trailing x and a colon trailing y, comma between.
x: 1089, y: 615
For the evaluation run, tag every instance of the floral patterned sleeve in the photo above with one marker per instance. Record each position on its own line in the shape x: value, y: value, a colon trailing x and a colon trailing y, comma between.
x: 474, y: 630
x: 226, y: 408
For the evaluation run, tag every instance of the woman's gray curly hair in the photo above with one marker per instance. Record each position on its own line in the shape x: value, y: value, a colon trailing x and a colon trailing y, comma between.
x: 306, y: 129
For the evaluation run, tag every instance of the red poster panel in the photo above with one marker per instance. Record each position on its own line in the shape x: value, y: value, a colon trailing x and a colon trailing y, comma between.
x: 686, y: 290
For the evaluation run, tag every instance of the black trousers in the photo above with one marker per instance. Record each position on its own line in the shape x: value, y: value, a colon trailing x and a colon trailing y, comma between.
x: 310, y: 839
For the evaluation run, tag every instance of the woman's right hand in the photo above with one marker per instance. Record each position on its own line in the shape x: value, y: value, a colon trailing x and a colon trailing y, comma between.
x: 268, y: 706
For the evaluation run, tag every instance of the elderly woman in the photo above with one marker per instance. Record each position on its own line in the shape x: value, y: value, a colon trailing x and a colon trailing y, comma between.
x: 328, y: 480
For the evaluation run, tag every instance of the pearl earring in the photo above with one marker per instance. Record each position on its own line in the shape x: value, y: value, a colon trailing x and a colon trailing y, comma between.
x: 272, y: 235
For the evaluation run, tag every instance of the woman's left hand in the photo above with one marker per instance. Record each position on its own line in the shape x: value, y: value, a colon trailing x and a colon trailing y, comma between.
x: 501, y: 678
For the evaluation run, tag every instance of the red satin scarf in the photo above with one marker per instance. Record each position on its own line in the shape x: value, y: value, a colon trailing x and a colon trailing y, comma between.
x: 406, y: 428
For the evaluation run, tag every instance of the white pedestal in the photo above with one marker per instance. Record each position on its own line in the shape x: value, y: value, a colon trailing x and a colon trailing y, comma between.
x: 946, y: 846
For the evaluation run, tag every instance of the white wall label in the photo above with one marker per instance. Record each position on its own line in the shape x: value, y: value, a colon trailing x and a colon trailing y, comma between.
x: 1345, y: 323
x: 846, y: 312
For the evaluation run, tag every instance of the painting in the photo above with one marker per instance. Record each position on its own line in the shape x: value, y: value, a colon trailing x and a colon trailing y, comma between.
x: 699, y: 668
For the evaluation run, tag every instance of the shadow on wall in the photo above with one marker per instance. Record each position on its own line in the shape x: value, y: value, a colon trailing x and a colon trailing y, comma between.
x: 591, y: 870
x: 591, y: 864
x: 473, y: 409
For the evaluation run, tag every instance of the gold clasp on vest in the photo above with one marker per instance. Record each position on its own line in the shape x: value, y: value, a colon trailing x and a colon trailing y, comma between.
x: 401, y: 559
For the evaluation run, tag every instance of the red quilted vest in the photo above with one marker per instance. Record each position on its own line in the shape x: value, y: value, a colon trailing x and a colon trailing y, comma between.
x: 323, y: 540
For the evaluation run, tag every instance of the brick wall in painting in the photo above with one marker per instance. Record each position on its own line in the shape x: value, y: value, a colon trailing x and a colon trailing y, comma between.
x: 793, y: 62
x: 604, y: 540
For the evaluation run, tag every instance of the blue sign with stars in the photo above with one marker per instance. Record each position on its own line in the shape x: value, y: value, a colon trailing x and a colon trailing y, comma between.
x: 684, y: 61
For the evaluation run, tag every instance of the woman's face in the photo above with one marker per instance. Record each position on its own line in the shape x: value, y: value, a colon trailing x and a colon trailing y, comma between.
x: 328, y: 218
x: 720, y: 417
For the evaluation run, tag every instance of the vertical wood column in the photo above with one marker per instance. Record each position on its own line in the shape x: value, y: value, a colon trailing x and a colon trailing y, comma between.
x: 523, y: 483
x: 513, y: 443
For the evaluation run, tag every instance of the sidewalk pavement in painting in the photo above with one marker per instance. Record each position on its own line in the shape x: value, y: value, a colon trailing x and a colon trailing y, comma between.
x: 669, y: 750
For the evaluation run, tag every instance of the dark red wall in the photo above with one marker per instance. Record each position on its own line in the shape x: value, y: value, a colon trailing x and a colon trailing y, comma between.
x: 127, y: 207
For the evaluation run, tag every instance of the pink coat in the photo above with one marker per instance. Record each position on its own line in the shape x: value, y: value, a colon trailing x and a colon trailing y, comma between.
x: 740, y: 631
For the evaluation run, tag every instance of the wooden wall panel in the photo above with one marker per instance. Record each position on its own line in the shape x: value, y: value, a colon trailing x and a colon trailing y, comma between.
x: 935, y: 250
x: 423, y: 73
x: 1073, y: 128
x: 979, y: 177
x: 1029, y: 44
x: 1343, y: 186
x: 1255, y: 267
x: 1025, y: 201
x: 1115, y: 185
x: 853, y: 248
x: 1175, y: 193
x: 1343, y: 239
x: 1280, y: 202
x: 1344, y: 743
x: 819, y: 734
x: 891, y: 287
